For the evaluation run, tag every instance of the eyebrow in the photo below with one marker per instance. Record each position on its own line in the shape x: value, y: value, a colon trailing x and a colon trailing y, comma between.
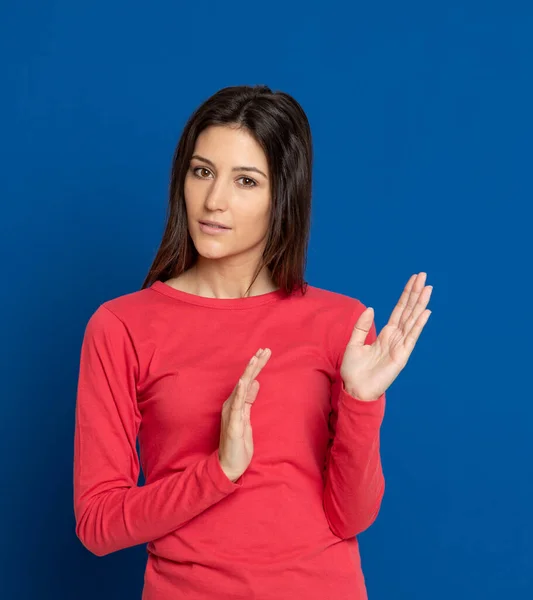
x: 209, y: 162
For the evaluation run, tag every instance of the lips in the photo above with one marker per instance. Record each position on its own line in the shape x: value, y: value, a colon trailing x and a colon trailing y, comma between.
x: 214, y: 225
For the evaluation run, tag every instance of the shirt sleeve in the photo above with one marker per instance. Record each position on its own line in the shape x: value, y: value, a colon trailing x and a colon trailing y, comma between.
x: 112, y: 512
x: 354, y: 482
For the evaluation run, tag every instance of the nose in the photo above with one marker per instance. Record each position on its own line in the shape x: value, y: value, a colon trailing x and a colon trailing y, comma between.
x: 217, y: 195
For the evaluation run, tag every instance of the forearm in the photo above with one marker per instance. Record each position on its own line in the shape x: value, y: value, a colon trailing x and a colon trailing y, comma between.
x: 354, y: 483
x: 119, y: 517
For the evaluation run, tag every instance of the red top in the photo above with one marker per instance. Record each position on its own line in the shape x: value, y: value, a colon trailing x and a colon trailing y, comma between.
x: 159, y: 363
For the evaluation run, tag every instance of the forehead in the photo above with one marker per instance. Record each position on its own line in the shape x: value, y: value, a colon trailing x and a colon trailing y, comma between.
x: 229, y: 146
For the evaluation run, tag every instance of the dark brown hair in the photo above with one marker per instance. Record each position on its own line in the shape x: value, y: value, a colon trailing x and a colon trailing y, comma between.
x: 280, y: 126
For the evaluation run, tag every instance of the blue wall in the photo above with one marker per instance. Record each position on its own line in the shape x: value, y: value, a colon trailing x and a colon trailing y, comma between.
x: 422, y: 122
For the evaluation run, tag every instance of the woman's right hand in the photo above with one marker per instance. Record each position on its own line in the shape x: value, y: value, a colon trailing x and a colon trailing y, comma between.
x: 236, y: 446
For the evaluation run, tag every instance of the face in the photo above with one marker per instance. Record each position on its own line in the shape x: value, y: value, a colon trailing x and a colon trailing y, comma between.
x: 222, y: 185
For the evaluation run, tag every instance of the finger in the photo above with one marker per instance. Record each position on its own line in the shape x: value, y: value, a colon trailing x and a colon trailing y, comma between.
x: 255, y: 365
x: 418, y: 309
x: 262, y: 361
x: 416, y: 290
x: 413, y: 335
x: 362, y: 327
x: 402, y: 303
x: 249, y: 400
x: 248, y: 436
x: 238, y: 400
x: 241, y: 387
x: 404, y: 308
x: 244, y: 399
x: 249, y: 370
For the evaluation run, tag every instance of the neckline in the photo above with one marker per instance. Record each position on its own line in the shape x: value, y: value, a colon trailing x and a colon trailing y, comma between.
x: 224, y: 303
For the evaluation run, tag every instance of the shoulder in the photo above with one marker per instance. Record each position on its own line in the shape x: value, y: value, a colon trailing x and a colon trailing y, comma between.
x: 339, y: 313
x: 120, y: 314
x: 336, y: 302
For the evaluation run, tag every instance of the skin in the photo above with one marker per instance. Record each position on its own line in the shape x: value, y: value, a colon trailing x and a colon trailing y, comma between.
x: 368, y: 370
x: 239, y: 199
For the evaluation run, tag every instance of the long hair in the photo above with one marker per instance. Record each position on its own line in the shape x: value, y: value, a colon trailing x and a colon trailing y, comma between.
x: 279, y: 124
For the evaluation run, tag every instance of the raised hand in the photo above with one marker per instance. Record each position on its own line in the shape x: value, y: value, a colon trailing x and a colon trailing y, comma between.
x: 236, y: 446
x: 368, y: 370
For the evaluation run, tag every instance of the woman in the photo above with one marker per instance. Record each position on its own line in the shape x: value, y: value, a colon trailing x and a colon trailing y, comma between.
x: 226, y: 515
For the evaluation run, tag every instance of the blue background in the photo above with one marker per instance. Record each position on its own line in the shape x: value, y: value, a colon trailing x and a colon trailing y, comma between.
x: 421, y: 114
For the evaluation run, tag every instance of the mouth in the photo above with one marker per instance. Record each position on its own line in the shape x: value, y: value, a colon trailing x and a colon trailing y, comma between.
x: 213, y: 226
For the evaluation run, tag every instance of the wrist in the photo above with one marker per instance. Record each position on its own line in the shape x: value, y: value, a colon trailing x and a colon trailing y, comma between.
x: 231, y: 476
x: 354, y: 394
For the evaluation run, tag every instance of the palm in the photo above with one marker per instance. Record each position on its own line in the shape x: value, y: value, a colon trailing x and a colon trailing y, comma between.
x: 369, y: 369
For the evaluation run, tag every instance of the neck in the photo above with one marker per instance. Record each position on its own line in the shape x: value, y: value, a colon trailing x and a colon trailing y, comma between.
x: 205, y: 282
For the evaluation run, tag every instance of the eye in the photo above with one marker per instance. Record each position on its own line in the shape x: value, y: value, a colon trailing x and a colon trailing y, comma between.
x: 253, y: 182
x: 249, y: 179
x: 199, y: 169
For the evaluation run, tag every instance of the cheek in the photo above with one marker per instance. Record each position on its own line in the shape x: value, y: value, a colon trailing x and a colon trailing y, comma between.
x: 193, y: 187
x: 187, y: 189
x: 253, y: 225
x: 257, y: 212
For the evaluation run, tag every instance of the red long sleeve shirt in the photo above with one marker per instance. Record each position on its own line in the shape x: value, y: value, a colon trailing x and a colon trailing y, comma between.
x: 156, y: 365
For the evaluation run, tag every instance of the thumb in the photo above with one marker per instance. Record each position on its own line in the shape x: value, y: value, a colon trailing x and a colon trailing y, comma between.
x: 362, y: 327
x: 249, y: 400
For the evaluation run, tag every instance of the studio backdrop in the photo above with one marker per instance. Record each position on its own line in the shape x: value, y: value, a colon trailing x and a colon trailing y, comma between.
x: 422, y: 128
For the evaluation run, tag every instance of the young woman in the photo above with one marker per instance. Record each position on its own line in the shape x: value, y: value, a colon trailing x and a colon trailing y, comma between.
x: 225, y: 322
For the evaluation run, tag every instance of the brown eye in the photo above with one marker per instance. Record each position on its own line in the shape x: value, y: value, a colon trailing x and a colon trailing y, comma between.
x: 252, y: 183
x: 199, y: 169
x: 249, y: 179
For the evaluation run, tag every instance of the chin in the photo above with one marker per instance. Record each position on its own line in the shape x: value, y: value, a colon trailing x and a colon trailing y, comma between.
x: 210, y: 251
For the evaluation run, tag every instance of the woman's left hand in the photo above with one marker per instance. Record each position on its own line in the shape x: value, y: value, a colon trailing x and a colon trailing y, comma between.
x: 368, y: 370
